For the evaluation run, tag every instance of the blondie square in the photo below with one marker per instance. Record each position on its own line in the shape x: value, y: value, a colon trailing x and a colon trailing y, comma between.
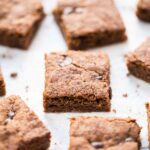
x: 20, y: 128
x: 89, y: 23
x: 19, y: 20
x: 138, y: 62
x: 77, y: 81
x: 92, y: 133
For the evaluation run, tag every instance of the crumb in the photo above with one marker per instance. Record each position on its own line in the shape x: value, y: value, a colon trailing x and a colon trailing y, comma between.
x: 27, y: 88
x: 14, y: 74
x: 3, y: 56
x: 125, y: 55
x: 128, y: 74
x: 114, y: 110
x: 125, y: 95
x: 137, y: 85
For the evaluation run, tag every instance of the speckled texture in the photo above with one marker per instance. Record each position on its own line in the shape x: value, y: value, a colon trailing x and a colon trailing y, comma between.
x: 143, y: 10
x: 77, y: 81
x: 92, y: 133
x: 138, y: 62
x: 19, y: 21
x: 89, y: 23
x: 2, y: 85
x: 20, y: 128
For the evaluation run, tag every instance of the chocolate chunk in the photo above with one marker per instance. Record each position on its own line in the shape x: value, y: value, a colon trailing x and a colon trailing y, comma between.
x: 79, y: 10
x: 110, y: 93
x: 97, y: 145
x: 99, y: 77
x: 129, y: 139
x: 68, y: 10
x: 11, y: 114
x: 66, y: 61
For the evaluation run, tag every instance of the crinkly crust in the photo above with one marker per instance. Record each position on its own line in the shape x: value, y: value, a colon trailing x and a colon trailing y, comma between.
x: 77, y: 79
x: 20, y: 128
x: 92, y: 133
x: 89, y: 23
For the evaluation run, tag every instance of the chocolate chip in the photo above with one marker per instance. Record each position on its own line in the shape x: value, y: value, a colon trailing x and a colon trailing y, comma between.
x: 65, y: 62
x: 11, y: 115
x: 97, y: 145
x: 68, y: 10
x: 78, y: 10
x: 110, y: 93
x: 99, y: 77
x: 129, y: 139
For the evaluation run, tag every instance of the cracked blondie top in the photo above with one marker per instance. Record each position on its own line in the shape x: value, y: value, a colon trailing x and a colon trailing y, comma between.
x: 19, y: 21
x: 96, y: 133
x: 19, y: 15
x: 20, y: 128
x: 77, y: 81
x: 89, y: 23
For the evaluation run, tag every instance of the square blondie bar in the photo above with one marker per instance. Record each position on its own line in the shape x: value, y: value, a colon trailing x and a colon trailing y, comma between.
x: 77, y: 81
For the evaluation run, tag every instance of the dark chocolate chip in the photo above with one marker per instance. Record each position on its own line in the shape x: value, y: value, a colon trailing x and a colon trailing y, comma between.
x: 129, y: 139
x: 78, y: 10
x: 68, y: 10
x: 97, y: 145
x: 11, y: 114
x: 65, y: 62
x: 99, y: 77
x: 110, y: 93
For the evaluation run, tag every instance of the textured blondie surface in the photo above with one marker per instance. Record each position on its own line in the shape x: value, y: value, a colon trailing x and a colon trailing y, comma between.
x: 20, y: 128
x: 143, y: 10
x: 92, y: 133
x: 19, y: 20
x: 2, y: 85
x: 138, y: 62
x: 89, y: 23
x: 77, y: 81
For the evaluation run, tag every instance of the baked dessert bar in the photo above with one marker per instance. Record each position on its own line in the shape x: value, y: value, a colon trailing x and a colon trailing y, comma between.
x: 2, y: 85
x: 143, y: 10
x: 77, y: 81
x: 92, y: 133
x: 20, y: 128
x: 89, y: 23
x: 138, y: 62
x: 19, y: 20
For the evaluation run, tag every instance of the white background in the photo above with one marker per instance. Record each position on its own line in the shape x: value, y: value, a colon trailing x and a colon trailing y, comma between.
x: 30, y: 68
